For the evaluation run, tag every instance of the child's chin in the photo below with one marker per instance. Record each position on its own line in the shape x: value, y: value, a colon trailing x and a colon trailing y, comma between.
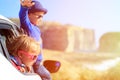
x: 30, y: 64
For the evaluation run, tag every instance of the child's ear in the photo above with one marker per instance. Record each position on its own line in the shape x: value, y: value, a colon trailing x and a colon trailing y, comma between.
x: 19, y: 55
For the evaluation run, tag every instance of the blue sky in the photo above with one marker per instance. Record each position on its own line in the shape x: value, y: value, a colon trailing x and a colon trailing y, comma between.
x: 101, y: 15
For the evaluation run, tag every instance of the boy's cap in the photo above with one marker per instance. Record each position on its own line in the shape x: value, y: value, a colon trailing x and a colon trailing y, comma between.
x: 37, y: 7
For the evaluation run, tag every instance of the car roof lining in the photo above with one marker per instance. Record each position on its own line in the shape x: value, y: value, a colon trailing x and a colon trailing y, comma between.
x: 5, y: 26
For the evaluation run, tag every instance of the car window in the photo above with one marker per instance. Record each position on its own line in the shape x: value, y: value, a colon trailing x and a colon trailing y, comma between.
x: 5, y: 37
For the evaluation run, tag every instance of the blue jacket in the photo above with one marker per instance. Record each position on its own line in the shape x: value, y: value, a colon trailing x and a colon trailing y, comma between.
x: 32, y: 30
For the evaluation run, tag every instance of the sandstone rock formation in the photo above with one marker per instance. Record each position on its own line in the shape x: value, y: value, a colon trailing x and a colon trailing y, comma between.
x: 110, y: 42
x: 68, y: 38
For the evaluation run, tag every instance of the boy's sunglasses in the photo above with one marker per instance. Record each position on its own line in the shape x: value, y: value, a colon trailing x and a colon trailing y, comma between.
x: 28, y: 54
x: 38, y: 16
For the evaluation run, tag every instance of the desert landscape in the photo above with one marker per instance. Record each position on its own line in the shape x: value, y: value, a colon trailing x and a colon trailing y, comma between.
x: 85, y: 66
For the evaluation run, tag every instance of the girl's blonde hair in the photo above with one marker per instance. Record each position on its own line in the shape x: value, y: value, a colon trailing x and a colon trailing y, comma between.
x: 23, y: 42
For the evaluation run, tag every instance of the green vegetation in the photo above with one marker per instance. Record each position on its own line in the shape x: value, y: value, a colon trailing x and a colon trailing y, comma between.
x: 110, y: 42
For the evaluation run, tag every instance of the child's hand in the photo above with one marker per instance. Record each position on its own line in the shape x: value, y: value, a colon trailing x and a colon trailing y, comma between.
x: 26, y: 3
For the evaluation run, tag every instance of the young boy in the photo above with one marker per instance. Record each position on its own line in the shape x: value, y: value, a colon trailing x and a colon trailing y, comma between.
x: 31, y: 14
x: 24, y: 53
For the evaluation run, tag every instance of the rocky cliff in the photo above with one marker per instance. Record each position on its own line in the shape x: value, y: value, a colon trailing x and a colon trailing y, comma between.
x: 110, y: 42
x: 68, y: 38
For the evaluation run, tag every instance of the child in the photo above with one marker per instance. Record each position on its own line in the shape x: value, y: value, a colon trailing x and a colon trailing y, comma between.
x: 24, y: 53
x: 31, y: 14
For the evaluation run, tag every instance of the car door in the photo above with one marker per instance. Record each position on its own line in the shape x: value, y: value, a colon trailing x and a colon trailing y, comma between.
x: 9, y: 72
x: 9, y: 30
